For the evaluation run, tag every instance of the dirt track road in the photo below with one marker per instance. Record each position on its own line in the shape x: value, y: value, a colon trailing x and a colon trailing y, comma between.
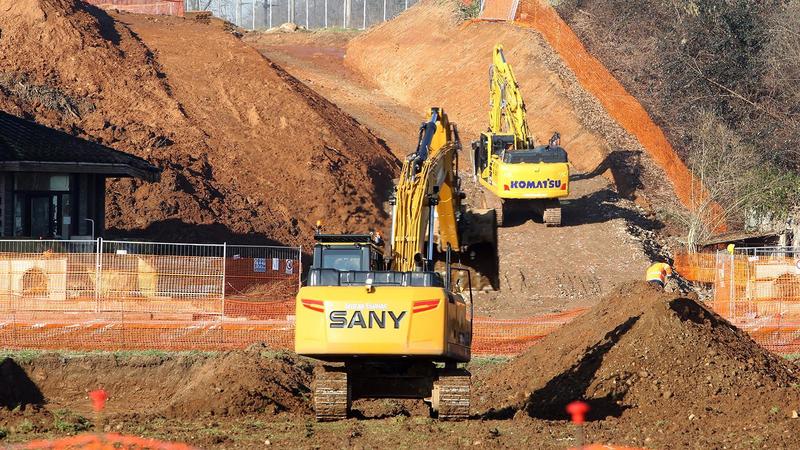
x: 541, y: 269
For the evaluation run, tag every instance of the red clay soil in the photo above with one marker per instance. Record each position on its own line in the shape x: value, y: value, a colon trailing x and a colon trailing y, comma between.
x: 622, y: 106
x: 247, y: 150
x: 662, y: 365
x: 177, y: 386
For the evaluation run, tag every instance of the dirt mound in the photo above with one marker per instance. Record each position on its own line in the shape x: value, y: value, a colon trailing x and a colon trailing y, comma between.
x: 655, y: 361
x: 247, y: 150
x: 252, y: 382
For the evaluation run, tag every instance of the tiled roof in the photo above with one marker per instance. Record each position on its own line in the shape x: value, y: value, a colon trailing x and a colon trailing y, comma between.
x: 28, y: 146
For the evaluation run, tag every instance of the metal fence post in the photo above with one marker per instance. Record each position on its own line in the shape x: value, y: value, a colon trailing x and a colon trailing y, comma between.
x: 384, y: 10
x: 269, y: 5
x: 300, y: 267
x: 364, y: 23
x: 306, y: 14
x: 224, y: 263
x: 326, y: 13
x: 98, y: 273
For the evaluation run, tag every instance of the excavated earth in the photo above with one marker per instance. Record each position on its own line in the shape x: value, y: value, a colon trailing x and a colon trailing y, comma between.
x: 248, y: 152
x: 658, y: 371
x: 663, y: 365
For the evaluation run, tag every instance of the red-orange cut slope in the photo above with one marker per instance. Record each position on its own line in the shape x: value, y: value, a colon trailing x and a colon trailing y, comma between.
x: 623, y: 107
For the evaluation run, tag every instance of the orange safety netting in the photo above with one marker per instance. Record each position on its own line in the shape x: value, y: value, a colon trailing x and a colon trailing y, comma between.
x: 273, y: 326
x: 114, y: 301
x: 759, y: 294
x: 621, y: 106
x: 698, y: 267
x: 109, y: 441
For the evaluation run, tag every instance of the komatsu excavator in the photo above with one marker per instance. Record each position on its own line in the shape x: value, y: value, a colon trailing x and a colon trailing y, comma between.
x: 382, y: 324
x: 515, y: 173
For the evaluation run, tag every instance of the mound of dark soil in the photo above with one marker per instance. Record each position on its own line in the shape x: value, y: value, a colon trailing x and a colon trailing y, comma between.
x: 653, y: 360
x: 233, y: 384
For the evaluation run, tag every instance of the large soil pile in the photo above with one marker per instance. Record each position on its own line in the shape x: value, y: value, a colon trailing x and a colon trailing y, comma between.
x: 666, y: 366
x: 246, y: 149
x: 182, y: 386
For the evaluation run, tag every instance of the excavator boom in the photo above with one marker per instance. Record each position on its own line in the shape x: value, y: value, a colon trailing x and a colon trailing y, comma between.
x: 427, y: 180
x: 507, y: 113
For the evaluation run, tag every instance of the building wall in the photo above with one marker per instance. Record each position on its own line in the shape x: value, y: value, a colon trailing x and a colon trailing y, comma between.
x: 86, y: 200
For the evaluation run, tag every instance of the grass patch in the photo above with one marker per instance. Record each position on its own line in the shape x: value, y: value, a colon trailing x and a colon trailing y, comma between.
x: 66, y: 421
x: 25, y: 427
x: 792, y: 356
x: 480, y: 362
x: 23, y: 356
x: 470, y: 10
x: 26, y: 356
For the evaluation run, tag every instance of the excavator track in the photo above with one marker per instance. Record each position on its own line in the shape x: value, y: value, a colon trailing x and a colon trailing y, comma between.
x: 451, y: 394
x: 551, y: 214
x: 332, y: 394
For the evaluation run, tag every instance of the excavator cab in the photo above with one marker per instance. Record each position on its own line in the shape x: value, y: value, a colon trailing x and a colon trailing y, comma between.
x: 346, y: 252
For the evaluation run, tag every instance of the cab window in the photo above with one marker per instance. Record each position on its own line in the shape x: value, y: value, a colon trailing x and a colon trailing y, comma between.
x: 343, y: 260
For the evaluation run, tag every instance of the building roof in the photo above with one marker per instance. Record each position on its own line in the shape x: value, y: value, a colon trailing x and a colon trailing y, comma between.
x: 26, y: 146
x: 739, y: 236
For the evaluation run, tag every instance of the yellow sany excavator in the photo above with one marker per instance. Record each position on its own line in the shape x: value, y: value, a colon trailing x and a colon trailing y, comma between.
x: 515, y: 173
x: 386, y: 322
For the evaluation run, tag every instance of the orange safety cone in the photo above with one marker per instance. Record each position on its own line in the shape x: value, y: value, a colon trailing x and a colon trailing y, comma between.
x: 577, y: 410
x: 98, y: 398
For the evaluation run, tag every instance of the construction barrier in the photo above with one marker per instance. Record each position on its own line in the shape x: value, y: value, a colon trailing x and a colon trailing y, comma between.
x: 161, y: 7
x: 109, y: 441
x: 756, y: 289
x: 499, y: 9
x: 245, y: 323
x: 115, y: 295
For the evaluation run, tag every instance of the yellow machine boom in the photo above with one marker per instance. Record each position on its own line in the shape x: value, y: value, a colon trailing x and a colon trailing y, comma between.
x: 389, y: 319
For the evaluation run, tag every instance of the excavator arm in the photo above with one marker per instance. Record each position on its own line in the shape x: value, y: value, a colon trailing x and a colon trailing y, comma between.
x: 506, y: 107
x: 428, y: 182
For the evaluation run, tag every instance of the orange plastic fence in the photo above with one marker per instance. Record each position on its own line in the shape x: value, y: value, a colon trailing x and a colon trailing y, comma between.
x: 759, y: 294
x: 697, y: 267
x: 113, y: 301
x: 623, y: 107
x: 270, y: 323
x: 90, y: 441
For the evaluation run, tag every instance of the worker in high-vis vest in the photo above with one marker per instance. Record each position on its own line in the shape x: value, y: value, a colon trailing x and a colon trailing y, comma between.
x: 658, y: 273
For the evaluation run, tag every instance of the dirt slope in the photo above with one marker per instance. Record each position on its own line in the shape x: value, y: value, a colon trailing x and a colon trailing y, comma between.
x: 247, y: 150
x: 664, y: 365
x: 317, y: 59
x: 448, y: 66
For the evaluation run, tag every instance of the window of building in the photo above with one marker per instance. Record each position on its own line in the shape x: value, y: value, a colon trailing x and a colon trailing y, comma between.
x: 42, y: 205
